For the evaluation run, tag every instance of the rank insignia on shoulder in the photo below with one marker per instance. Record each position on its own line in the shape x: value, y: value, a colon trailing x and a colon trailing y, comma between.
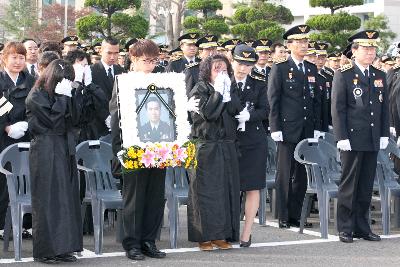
x: 346, y: 67
x: 329, y: 72
x: 192, y: 64
x: 397, y: 66
x: 176, y: 59
x: 279, y: 61
x: 256, y: 77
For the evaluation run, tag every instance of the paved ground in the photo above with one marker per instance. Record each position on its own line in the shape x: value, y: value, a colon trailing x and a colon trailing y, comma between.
x: 271, y: 247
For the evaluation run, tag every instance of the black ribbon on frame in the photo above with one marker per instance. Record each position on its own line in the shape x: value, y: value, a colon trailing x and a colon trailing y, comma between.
x: 152, y: 89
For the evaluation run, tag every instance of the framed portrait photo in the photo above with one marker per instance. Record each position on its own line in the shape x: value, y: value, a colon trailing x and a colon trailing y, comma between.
x: 152, y: 108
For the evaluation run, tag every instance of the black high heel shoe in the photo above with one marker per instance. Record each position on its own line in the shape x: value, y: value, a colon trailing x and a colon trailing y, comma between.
x: 244, y: 244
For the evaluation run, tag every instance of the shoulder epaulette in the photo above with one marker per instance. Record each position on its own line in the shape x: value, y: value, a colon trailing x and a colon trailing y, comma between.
x: 309, y: 62
x: 372, y: 66
x: 258, y: 72
x: 257, y: 77
x: 279, y: 61
x: 346, y: 67
x: 329, y: 72
x: 192, y: 64
x: 397, y: 66
x: 319, y: 73
x: 175, y: 59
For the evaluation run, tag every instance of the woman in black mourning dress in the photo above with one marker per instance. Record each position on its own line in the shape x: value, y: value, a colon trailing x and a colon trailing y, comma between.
x: 213, y: 205
x: 53, y: 111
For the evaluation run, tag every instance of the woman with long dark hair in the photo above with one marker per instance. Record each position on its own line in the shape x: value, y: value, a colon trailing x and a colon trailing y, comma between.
x: 213, y: 205
x: 52, y: 111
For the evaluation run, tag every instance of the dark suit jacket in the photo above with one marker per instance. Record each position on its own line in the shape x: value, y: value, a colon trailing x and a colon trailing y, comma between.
x: 363, y: 122
x: 99, y: 76
x: 254, y: 94
x: 179, y: 65
x: 294, y: 99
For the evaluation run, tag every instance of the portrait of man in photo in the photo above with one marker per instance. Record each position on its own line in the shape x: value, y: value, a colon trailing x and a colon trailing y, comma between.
x: 151, y: 127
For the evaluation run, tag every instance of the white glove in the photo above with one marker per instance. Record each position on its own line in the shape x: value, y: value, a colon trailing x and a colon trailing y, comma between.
x: 392, y: 131
x: 330, y: 127
x: 277, y: 136
x: 193, y: 105
x: 398, y: 142
x: 18, y: 129
x: 108, y: 122
x: 344, y: 145
x: 64, y: 87
x: 243, y: 116
x: 87, y: 75
x: 383, y: 142
x: 79, y: 70
x: 318, y: 134
x: 219, y: 83
x: 227, y: 88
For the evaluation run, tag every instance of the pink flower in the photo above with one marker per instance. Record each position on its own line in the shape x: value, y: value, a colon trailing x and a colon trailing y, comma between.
x: 180, y: 154
x: 148, y: 158
x: 164, y: 153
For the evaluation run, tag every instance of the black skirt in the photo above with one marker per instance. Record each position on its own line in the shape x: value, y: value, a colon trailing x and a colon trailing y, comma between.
x: 252, y: 166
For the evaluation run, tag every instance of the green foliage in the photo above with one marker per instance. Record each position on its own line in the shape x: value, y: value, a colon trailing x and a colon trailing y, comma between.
x: 260, y: 20
x: 112, y: 21
x: 334, y: 28
x: 204, y: 6
x: 380, y: 23
x: 335, y: 23
x: 208, y: 23
x: 112, y: 6
x: 215, y: 26
x: 191, y: 22
x: 334, y: 5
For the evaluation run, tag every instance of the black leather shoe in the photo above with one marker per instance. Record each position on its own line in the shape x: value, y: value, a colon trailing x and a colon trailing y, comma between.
x: 369, y: 237
x: 244, y: 244
x: 296, y: 223
x: 47, y: 260
x: 135, y: 254
x: 345, y: 237
x: 149, y: 249
x: 284, y: 224
x: 66, y: 258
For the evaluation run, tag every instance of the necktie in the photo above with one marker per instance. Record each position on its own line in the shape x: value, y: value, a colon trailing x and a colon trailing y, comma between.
x: 33, y: 70
x: 301, y: 67
x: 263, y: 71
x: 109, y: 74
x: 240, y: 85
x: 366, y: 73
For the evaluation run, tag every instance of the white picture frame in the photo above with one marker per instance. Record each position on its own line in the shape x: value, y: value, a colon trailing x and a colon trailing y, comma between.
x: 131, y: 85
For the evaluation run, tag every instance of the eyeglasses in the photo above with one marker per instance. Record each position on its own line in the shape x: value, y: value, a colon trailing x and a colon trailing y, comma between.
x: 149, y: 61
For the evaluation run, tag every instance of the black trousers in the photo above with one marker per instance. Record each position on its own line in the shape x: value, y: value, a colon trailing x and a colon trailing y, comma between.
x: 291, y: 183
x: 143, y: 200
x: 355, y: 191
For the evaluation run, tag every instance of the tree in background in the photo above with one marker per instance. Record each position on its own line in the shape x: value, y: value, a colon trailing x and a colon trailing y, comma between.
x: 380, y: 24
x: 21, y: 18
x: 51, y: 27
x: 112, y: 21
x: 260, y: 20
x: 334, y: 28
x: 334, y: 5
x: 209, y: 22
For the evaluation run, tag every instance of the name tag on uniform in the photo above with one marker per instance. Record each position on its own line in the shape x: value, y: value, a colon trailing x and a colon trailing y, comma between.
x: 311, y: 79
x: 378, y: 83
